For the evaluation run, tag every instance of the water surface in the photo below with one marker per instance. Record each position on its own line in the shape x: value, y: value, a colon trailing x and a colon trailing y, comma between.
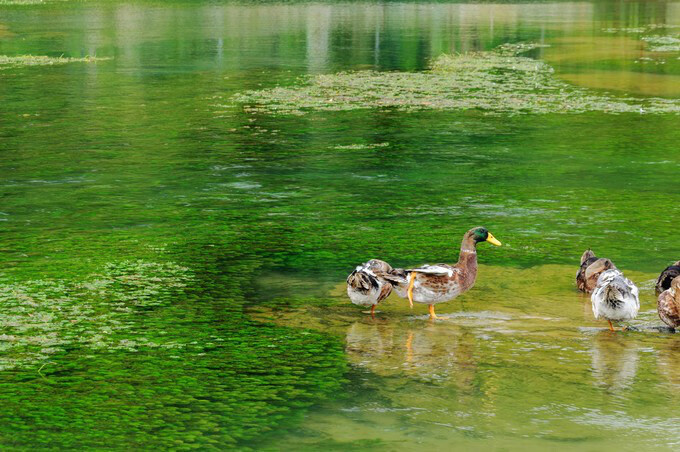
x: 173, y: 265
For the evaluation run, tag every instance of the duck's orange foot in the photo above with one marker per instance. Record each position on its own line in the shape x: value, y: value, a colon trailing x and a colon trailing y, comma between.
x: 432, y: 314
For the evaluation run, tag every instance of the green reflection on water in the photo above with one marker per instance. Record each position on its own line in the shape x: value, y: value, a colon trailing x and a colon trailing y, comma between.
x: 127, y: 196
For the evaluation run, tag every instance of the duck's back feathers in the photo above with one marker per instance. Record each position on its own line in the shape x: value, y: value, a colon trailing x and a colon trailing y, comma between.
x: 668, y: 304
x: 615, y: 297
x: 664, y: 281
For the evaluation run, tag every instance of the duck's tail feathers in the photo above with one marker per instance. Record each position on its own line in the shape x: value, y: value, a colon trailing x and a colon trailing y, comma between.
x: 396, y: 276
x: 619, y: 290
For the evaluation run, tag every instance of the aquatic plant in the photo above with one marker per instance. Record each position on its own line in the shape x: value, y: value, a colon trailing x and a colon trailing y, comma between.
x: 663, y: 43
x: 41, y: 60
x: 496, y: 82
x: 42, y: 317
x: 655, y: 42
x: 183, y: 365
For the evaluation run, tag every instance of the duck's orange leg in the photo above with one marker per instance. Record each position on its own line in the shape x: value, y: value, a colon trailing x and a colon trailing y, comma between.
x: 410, y: 288
x: 611, y: 327
x: 373, y: 311
x: 432, y: 314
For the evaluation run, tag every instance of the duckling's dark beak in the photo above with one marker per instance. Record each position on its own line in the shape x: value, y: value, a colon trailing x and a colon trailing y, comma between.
x: 493, y: 240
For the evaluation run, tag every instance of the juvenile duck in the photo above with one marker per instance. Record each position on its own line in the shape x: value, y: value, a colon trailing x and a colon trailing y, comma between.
x: 432, y: 284
x: 590, y: 270
x: 615, y: 297
x: 664, y: 281
x: 668, y: 304
x: 365, y: 287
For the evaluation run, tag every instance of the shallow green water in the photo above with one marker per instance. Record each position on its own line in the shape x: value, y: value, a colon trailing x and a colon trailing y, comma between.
x: 173, y: 264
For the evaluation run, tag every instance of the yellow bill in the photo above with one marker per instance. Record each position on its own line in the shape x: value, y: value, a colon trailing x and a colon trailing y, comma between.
x: 493, y: 240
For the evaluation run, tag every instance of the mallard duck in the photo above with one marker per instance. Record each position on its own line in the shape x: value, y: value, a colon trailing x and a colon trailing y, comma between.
x: 365, y: 287
x: 590, y: 270
x: 615, y: 297
x: 432, y: 284
x: 668, y: 304
x: 664, y: 281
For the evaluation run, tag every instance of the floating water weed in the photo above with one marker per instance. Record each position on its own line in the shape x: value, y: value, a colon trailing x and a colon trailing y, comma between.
x: 663, y: 43
x: 655, y: 42
x: 41, y: 60
x: 495, y: 82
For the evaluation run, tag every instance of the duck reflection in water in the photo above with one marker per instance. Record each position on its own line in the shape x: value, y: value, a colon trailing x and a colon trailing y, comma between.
x: 668, y: 363
x: 427, y: 352
x: 614, y: 361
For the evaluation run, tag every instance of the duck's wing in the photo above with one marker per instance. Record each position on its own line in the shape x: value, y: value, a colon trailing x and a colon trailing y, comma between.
x: 437, y: 270
x: 669, y: 308
x: 377, y: 266
x: 632, y: 288
x: 385, y: 291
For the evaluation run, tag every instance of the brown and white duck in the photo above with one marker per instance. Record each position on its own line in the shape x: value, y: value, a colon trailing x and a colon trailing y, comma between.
x: 590, y: 270
x: 669, y: 274
x: 433, y: 284
x: 615, y: 298
x: 364, y: 285
x: 668, y: 304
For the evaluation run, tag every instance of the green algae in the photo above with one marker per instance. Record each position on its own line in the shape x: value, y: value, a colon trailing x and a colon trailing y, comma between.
x: 43, y: 317
x: 138, y: 354
x: 8, y: 62
x: 650, y: 35
x: 358, y: 146
x: 496, y: 82
x: 23, y: 2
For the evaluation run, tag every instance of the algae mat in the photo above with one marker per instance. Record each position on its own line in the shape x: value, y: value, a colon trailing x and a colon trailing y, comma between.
x: 500, y: 81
